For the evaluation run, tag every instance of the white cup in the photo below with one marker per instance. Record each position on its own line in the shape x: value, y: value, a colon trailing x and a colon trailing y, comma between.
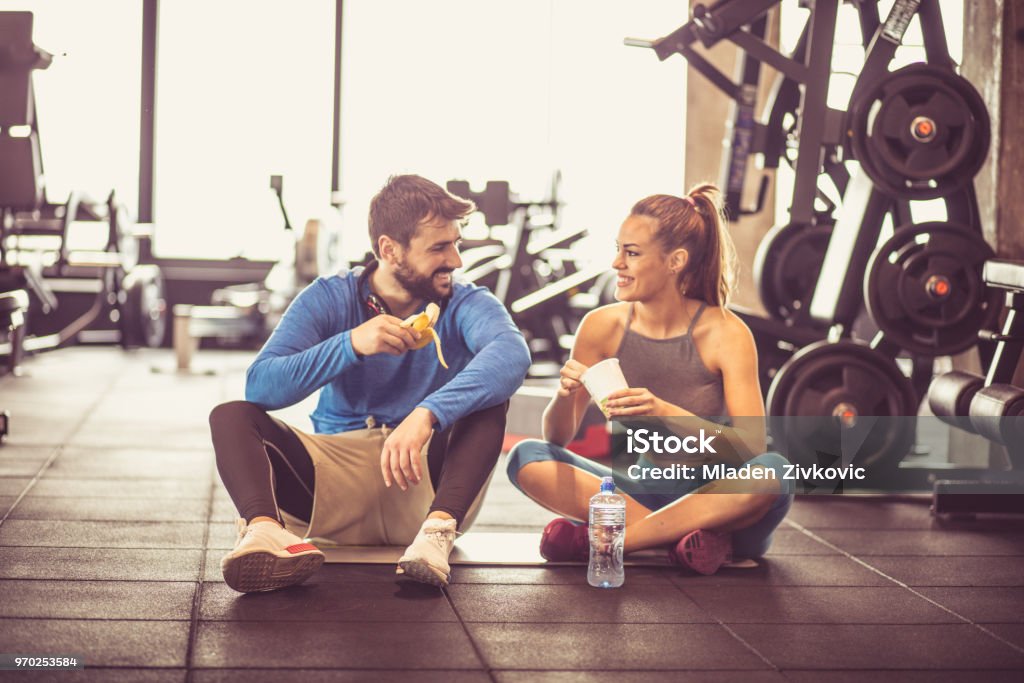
x: 603, y: 379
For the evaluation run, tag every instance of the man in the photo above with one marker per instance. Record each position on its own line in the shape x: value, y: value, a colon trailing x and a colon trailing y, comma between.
x: 398, y: 437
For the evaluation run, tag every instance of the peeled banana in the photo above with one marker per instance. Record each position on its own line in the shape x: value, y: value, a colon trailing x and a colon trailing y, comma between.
x: 422, y: 325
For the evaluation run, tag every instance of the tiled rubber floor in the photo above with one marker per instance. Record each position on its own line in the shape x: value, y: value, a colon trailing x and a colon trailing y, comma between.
x: 112, y: 522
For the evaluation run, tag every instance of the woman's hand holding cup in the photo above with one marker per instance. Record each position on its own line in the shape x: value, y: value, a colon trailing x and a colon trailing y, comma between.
x: 570, y: 377
x: 603, y: 379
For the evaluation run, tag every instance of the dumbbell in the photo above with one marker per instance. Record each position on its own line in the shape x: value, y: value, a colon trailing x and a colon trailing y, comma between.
x: 996, y: 412
x: 950, y: 396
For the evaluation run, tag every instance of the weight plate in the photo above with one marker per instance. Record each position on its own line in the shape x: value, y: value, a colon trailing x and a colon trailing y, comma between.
x: 922, y: 132
x: 786, y: 267
x: 829, y: 387
x: 924, y: 288
x: 143, y: 319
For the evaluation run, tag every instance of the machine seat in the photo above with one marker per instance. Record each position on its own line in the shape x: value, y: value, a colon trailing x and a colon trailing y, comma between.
x: 1004, y: 274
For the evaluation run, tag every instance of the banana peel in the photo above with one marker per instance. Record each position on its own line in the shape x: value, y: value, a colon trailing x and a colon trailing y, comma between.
x: 422, y: 325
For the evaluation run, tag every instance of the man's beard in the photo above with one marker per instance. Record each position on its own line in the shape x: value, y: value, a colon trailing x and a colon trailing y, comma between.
x: 420, y: 286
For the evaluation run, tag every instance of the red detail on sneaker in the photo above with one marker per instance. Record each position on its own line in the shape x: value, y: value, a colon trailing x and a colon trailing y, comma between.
x: 300, y: 548
x: 702, y: 551
x: 563, y: 541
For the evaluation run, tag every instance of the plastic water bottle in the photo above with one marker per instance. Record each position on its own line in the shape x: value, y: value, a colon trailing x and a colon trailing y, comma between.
x: 607, y: 534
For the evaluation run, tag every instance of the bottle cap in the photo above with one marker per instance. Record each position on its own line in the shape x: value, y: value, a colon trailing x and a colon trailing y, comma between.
x: 607, y: 484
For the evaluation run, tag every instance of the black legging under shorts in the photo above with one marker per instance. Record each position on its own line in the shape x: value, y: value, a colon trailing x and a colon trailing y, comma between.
x: 265, y: 467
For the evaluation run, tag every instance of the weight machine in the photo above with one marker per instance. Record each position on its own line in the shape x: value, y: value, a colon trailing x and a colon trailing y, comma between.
x: 51, y: 295
x: 533, y: 272
x: 991, y: 406
x: 920, y: 132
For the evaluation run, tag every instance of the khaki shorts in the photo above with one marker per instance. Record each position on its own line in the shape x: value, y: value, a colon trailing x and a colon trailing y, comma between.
x: 351, y: 505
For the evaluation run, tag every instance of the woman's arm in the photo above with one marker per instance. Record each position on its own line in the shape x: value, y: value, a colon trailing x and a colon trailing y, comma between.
x: 562, y: 417
x: 737, y: 358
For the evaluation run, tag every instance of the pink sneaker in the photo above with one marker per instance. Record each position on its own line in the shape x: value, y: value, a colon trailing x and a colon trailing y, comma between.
x: 702, y: 551
x: 564, y: 541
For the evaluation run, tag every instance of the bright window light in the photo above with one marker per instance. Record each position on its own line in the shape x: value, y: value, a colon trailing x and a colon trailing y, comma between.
x: 513, y: 91
x: 88, y: 100
x: 244, y: 91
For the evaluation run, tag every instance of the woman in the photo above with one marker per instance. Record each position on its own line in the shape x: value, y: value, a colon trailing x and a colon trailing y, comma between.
x: 683, y: 353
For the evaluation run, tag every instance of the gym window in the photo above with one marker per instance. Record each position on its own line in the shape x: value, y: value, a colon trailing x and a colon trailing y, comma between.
x: 87, y: 102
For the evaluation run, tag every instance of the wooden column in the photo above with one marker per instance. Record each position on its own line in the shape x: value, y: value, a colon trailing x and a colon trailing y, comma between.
x: 994, y: 64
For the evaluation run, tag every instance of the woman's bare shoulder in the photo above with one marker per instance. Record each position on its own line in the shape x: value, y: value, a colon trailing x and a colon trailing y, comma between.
x: 601, y: 329
x: 724, y: 337
x: 726, y: 327
x: 608, y: 316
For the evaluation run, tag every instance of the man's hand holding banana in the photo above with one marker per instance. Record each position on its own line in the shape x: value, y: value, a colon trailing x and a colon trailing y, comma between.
x: 391, y: 335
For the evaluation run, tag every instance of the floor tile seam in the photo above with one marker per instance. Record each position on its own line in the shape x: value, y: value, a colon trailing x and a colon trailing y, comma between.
x: 890, y: 670
x: 127, y: 619
x: 331, y: 668
x: 117, y: 480
x: 129, y: 667
x: 98, y: 581
x: 747, y: 645
x: 153, y: 620
x: 197, y: 596
x: 360, y: 620
x: 477, y: 650
x: 128, y: 447
x: 624, y: 671
x: 141, y: 523
x: 104, y: 547
x: 760, y: 587
x: 772, y: 554
x: 790, y: 622
x: 32, y: 482
x: 912, y: 529
x: 505, y: 622
x: 66, y: 580
x: 901, y: 584
x: 915, y: 554
x: 38, y: 497
x: 710, y: 586
x: 211, y: 503
x: 107, y: 521
x: 728, y: 630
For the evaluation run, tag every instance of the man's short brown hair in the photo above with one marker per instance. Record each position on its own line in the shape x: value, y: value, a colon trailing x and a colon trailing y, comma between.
x: 405, y: 202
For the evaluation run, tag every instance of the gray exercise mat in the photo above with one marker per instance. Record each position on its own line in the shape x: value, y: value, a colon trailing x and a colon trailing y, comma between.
x: 490, y: 548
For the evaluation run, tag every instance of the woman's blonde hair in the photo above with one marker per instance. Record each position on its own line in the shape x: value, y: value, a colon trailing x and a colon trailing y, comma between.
x: 697, y: 224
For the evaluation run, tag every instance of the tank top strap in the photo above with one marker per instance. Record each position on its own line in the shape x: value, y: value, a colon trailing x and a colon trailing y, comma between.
x: 693, y: 323
x: 629, y: 316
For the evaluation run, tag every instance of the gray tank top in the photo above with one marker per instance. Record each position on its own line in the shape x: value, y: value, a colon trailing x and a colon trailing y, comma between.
x: 673, y: 370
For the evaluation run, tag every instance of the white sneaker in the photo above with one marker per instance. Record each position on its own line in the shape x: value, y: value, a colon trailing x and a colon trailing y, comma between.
x: 267, y: 557
x: 426, y: 559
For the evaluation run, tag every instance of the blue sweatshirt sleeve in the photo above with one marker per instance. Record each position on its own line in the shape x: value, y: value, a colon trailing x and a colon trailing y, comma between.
x: 499, y: 365
x: 304, y: 353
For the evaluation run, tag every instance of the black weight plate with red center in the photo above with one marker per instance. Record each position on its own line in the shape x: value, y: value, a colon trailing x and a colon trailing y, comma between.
x: 924, y: 288
x: 827, y: 381
x: 922, y: 132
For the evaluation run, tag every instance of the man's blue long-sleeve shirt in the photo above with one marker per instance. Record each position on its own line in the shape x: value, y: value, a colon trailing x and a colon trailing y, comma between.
x: 311, y: 349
